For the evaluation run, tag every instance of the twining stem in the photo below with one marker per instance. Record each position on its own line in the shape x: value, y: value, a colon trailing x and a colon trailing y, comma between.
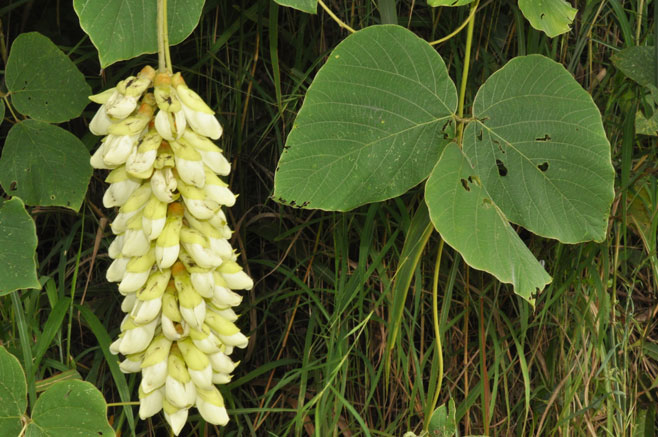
x: 340, y: 22
x: 457, y: 30
x: 164, y: 57
x: 467, y: 64
x: 437, y: 333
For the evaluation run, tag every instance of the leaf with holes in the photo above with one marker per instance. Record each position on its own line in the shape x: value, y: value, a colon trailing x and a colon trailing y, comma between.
x: 18, y: 245
x: 449, y: 2
x: 553, y: 17
x: 70, y: 408
x: 638, y: 64
x: 45, y: 165
x: 468, y: 220
x: 124, y: 29
x: 539, y: 148
x: 13, y: 394
x: 371, y: 126
x: 308, y: 6
x: 42, y: 80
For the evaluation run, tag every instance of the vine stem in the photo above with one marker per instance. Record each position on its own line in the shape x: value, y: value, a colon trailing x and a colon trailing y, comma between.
x: 457, y: 30
x: 467, y: 64
x: 164, y: 57
x: 340, y: 22
x: 437, y: 333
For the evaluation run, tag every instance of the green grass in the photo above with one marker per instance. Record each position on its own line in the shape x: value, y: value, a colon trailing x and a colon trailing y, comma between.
x: 583, y: 362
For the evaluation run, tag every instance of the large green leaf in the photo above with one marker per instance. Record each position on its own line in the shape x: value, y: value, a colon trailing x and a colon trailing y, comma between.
x: 45, y: 165
x: 370, y: 126
x: 639, y: 64
x: 124, y: 29
x: 539, y: 148
x: 70, y: 409
x: 43, y: 81
x: 309, y: 6
x: 468, y: 220
x: 449, y: 2
x: 553, y: 17
x: 18, y: 245
x: 13, y: 394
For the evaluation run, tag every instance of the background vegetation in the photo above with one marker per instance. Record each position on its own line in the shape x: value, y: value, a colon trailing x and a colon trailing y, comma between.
x: 582, y: 362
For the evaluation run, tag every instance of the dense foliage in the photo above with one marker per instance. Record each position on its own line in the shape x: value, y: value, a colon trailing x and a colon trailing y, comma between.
x: 340, y: 319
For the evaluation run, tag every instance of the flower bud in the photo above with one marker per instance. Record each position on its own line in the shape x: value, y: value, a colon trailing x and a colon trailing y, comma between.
x: 217, y: 190
x: 128, y: 302
x: 221, y: 363
x: 199, y: 248
x: 137, y: 272
x: 132, y: 363
x: 120, y: 106
x: 189, y: 165
x: 205, y: 340
x: 192, y: 305
x: 133, y: 125
x: 117, y: 148
x: 135, y: 241
x: 117, y: 269
x: 235, y: 278
x: 198, y: 365
x: 167, y: 245
x: 196, y: 201
x: 150, y: 403
x: 211, y: 155
x: 101, y: 122
x: 176, y: 417
x: 103, y: 97
x: 211, y: 406
x: 135, y: 338
x: 154, y: 218
x: 154, y: 366
x: 141, y: 160
x: 164, y: 185
x: 122, y: 186
x: 179, y: 388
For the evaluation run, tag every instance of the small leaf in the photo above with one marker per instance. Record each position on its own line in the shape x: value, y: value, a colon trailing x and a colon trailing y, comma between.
x: 540, y: 149
x: 646, y: 126
x: 449, y: 2
x: 443, y: 422
x: 18, y: 245
x: 70, y: 408
x: 124, y: 29
x: 371, y: 125
x: 468, y: 220
x: 553, y: 17
x: 45, y: 165
x: 309, y: 6
x: 638, y: 64
x: 13, y: 394
x: 43, y: 81
x: 2, y: 111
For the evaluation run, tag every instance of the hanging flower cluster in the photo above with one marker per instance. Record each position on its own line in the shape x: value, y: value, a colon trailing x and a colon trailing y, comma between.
x: 172, y: 258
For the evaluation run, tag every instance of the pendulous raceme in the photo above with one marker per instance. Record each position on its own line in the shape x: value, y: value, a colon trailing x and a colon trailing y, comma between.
x: 172, y: 257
